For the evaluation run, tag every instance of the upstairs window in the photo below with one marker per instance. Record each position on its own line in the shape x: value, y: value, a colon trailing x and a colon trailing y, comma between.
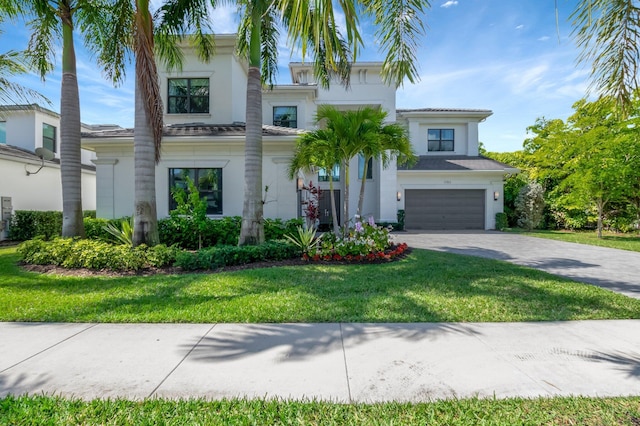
x: 361, y: 167
x: 49, y: 137
x: 208, y: 182
x: 285, y: 116
x: 440, y: 139
x: 323, y: 176
x: 3, y: 132
x: 188, y: 95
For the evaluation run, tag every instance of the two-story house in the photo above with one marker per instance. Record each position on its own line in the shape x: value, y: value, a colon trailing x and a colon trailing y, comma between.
x: 451, y: 187
x: 29, y: 181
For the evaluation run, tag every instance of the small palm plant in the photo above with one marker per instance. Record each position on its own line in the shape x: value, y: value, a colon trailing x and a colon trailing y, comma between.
x: 305, y: 239
x: 122, y: 232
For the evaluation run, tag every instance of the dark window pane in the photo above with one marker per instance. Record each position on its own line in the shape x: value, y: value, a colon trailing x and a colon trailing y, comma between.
x: 447, y: 134
x: 440, y: 140
x: 49, y: 137
x: 188, y: 95
x: 3, y: 132
x: 446, y: 146
x: 434, y: 134
x: 208, y: 182
x: 285, y: 116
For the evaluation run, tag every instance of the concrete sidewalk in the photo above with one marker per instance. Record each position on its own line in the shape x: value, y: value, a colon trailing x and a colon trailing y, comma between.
x: 337, y: 362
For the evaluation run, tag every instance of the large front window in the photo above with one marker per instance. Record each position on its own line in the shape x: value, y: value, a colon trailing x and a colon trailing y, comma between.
x: 323, y: 176
x: 440, y: 139
x: 285, y: 116
x: 188, y: 95
x: 207, y: 181
x: 49, y: 137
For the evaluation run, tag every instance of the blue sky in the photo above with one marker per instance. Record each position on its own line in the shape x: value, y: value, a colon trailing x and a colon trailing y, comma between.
x: 504, y: 55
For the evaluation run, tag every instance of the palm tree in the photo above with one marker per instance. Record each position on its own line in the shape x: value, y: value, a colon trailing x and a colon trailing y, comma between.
x: 384, y: 142
x: 312, y: 26
x: 132, y: 27
x: 608, y: 33
x: 318, y: 149
x: 52, y: 20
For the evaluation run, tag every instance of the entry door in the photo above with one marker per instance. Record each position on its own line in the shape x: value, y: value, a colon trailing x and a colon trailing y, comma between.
x: 324, y: 205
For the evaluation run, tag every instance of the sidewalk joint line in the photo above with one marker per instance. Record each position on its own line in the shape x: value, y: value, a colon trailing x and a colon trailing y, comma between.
x: 181, y: 361
x: 346, y: 368
x: 50, y: 347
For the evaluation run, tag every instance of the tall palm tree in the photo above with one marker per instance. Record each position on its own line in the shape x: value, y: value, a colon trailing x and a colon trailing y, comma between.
x: 608, y: 33
x: 383, y: 142
x: 312, y: 26
x: 132, y: 27
x: 57, y: 20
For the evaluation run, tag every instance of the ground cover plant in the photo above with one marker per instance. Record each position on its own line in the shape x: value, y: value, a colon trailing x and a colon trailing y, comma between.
x: 474, y: 411
x: 628, y: 241
x: 422, y: 287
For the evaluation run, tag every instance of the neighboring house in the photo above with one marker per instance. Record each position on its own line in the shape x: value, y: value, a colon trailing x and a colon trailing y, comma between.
x: 451, y: 187
x: 23, y: 184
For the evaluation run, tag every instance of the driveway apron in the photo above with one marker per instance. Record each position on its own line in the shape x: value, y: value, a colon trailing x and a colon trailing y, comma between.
x: 616, y: 270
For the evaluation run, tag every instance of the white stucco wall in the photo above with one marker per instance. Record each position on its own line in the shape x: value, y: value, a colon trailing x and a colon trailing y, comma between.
x: 41, y: 191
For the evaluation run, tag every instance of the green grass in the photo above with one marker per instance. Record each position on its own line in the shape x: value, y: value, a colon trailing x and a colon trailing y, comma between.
x: 516, y: 411
x: 629, y: 242
x: 424, y: 287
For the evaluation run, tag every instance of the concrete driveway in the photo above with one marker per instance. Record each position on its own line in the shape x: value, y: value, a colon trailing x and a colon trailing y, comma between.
x: 616, y: 270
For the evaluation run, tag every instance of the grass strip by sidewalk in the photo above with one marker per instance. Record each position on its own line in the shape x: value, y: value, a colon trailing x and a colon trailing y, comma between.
x: 424, y: 287
x: 516, y: 411
x: 630, y: 242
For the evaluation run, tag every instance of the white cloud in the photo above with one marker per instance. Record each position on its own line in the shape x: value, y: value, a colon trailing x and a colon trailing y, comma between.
x: 519, y: 27
x: 449, y: 3
x: 544, y: 38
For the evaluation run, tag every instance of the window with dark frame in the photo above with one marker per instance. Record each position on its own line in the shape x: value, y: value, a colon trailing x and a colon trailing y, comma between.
x: 361, y: 167
x: 440, y: 139
x: 323, y: 176
x: 3, y: 132
x: 188, y: 96
x: 208, y: 182
x: 49, y: 137
x: 285, y: 116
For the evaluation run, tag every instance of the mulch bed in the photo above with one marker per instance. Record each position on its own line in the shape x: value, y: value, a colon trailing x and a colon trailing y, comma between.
x: 82, y: 272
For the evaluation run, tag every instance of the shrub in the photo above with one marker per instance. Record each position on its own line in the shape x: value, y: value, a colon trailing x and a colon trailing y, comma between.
x: 365, y: 238
x: 401, y: 216
x: 276, y: 229
x: 121, y: 232
x: 183, y: 232
x: 94, y: 254
x: 530, y: 205
x: 502, y: 221
x: 221, y: 256
x: 304, y: 239
x: 28, y: 224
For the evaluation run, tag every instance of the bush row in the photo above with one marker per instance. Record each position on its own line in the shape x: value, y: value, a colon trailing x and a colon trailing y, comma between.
x: 220, y: 256
x: 177, y: 230
x: 95, y: 254
x: 101, y: 255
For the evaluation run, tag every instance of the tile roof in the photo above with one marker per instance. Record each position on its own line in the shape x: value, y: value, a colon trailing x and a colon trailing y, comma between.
x: 487, y: 111
x: 455, y: 163
x: 25, y: 154
x: 198, y: 129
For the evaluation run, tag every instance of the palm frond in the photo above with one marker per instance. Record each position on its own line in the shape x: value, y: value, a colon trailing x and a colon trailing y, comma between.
x: 608, y: 34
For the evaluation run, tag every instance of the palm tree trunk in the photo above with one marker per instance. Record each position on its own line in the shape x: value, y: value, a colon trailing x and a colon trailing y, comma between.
x: 252, y: 228
x: 334, y: 210
x: 145, y: 226
x: 70, y: 152
x: 345, y: 202
x: 362, y: 185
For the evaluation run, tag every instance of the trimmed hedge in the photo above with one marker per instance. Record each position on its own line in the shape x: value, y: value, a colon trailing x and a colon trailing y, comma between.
x: 28, y: 224
x: 502, y: 221
x: 221, y: 256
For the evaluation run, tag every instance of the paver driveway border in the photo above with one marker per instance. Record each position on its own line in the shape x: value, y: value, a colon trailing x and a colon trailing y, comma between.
x: 613, y: 269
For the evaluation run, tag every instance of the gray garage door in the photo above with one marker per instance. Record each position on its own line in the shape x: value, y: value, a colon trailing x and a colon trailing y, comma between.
x: 444, y: 209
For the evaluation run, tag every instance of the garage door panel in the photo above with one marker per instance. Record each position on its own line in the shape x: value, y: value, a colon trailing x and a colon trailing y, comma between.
x: 444, y: 209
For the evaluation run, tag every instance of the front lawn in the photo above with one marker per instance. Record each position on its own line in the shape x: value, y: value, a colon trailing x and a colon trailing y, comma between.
x: 629, y: 242
x: 507, y: 412
x: 424, y: 287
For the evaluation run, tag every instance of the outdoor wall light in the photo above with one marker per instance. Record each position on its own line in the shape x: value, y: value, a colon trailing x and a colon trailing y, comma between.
x: 399, y: 196
x: 496, y: 195
x: 299, y: 184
